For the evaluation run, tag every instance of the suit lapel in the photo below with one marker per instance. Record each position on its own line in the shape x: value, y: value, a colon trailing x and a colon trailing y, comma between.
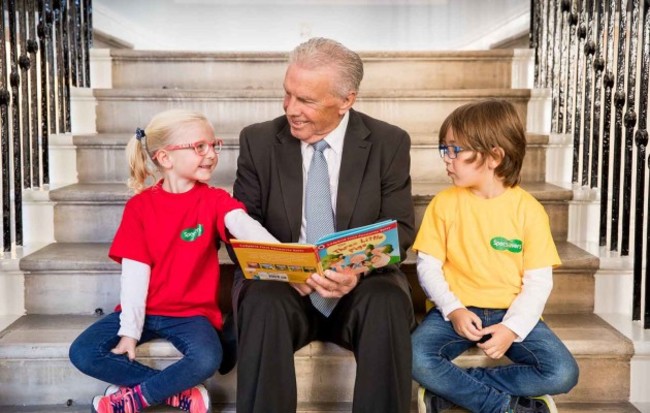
x: 356, y: 150
x: 289, y: 166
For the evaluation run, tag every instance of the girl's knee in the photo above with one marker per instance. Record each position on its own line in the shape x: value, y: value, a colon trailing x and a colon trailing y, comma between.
x: 80, y: 356
x: 206, y: 362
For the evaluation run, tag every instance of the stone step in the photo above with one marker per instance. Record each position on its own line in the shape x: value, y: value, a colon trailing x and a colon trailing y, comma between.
x: 35, y: 370
x: 622, y: 407
x: 79, y: 278
x: 92, y: 212
x: 417, y: 111
x: 101, y: 158
x: 486, y: 69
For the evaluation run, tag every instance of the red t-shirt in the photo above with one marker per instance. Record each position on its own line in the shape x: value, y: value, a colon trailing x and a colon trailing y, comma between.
x: 176, y: 235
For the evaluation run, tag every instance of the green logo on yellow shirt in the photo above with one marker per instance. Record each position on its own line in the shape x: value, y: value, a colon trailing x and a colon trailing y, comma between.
x: 191, y: 234
x: 504, y: 244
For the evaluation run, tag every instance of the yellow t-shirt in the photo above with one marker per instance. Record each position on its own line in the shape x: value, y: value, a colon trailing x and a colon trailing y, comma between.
x: 486, y: 244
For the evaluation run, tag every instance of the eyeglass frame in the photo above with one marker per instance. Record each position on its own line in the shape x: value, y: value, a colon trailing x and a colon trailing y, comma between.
x: 453, y: 154
x: 216, y: 147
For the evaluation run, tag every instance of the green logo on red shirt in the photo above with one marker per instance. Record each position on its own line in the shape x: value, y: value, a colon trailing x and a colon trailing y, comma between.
x: 191, y: 234
x: 504, y: 244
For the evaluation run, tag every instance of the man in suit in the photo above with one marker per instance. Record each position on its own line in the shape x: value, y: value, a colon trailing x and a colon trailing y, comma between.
x: 368, y: 163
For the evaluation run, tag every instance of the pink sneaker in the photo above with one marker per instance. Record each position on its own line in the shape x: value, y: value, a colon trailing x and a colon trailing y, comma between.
x: 121, y: 401
x: 194, y: 400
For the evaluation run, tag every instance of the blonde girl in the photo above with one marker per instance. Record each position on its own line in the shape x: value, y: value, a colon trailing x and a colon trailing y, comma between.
x: 167, y: 245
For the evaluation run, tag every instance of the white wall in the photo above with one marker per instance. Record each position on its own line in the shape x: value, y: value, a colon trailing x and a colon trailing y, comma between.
x: 279, y: 25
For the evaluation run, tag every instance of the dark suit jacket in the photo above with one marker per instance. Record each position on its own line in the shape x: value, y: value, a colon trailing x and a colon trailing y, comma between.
x: 374, y: 180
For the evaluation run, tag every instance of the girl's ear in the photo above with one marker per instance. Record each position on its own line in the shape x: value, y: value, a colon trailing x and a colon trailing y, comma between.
x: 496, y: 157
x: 164, y: 160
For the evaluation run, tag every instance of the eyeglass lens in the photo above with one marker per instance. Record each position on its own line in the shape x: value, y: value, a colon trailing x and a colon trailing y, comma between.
x: 202, y: 148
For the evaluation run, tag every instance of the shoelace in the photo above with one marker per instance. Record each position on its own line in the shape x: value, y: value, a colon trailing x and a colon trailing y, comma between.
x: 123, y: 402
x: 182, y: 400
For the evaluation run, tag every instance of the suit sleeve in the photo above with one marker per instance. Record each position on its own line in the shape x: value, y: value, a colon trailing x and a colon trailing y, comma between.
x: 396, y: 197
x: 247, y: 187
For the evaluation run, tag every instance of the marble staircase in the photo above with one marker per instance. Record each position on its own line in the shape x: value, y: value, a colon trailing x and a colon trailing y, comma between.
x: 71, y: 282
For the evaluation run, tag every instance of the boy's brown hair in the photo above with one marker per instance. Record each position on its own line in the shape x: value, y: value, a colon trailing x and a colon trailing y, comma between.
x: 487, y: 125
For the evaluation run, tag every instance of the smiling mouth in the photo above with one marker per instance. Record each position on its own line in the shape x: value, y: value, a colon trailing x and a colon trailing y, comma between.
x: 297, y: 123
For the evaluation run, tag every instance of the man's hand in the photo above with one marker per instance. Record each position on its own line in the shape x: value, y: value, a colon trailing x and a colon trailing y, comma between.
x: 333, y: 284
x: 126, y: 345
x: 303, y: 289
x: 502, y: 339
x: 466, y: 324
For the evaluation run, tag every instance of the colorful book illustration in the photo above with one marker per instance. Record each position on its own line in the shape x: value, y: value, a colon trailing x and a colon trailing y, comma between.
x: 356, y: 250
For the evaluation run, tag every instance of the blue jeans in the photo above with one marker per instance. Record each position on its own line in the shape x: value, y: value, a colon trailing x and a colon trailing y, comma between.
x: 541, y: 365
x: 194, y: 337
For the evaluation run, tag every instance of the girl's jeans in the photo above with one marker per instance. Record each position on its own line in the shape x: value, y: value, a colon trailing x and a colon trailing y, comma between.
x: 194, y: 337
x: 541, y: 365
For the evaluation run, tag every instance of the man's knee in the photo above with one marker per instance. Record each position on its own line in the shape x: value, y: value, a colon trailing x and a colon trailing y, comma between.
x: 386, y: 293
x: 263, y: 299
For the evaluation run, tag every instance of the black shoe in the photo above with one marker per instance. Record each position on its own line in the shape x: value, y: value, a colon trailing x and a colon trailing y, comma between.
x: 430, y: 403
x: 539, y: 404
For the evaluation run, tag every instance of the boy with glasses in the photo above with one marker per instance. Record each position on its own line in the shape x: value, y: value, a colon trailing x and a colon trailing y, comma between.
x: 485, y: 259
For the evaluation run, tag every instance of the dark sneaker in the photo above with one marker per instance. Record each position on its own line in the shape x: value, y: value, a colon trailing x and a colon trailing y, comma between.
x: 539, y: 404
x: 430, y: 403
x: 194, y: 400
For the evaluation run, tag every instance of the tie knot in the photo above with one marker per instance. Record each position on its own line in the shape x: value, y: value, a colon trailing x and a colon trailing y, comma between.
x: 320, y: 146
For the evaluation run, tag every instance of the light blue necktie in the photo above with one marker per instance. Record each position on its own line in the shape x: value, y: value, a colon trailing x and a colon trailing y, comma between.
x: 319, y: 216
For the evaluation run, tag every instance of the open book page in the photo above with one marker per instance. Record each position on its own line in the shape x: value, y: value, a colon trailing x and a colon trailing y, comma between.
x: 360, y: 250
x: 356, y: 250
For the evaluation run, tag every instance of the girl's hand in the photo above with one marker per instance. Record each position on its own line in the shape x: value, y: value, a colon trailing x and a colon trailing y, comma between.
x: 502, y: 339
x: 466, y: 324
x: 126, y: 345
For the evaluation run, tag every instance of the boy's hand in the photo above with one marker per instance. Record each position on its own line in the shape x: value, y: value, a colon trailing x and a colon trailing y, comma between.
x: 502, y: 339
x: 333, y: 284
x: 126, y: 345
x: 466, y: 324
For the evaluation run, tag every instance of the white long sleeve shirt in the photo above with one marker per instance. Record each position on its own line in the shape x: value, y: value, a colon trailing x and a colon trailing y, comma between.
x: 522, y: 315
x: 134, y: 279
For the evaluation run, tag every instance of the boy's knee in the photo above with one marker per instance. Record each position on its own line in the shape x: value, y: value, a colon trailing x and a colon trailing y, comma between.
x: 566, y: 377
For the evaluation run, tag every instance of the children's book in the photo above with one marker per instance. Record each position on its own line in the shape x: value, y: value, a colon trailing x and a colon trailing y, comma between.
x: 356, y: 250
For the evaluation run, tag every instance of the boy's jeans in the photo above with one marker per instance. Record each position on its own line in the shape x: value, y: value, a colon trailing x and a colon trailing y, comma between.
x: 541, y: 365
x: 194, y: 337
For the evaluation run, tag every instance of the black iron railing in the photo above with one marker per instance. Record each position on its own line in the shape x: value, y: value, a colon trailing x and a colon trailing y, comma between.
x: 594, y: 56
x: 48, y: 52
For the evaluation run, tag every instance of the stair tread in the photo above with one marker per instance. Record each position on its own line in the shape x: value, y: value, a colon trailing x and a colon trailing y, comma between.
x: 66, y: 256
x: 321, y: 408
x: 107, y: 140
x: 49, y: 336
x: 245, y: 94
x: 422, y: 190
x: 184, y: 56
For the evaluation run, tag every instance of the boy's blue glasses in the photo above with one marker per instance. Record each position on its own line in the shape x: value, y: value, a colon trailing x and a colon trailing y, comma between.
x: 450, y: 150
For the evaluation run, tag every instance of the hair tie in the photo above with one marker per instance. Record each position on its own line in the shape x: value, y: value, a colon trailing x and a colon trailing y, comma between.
x: 139, y: 134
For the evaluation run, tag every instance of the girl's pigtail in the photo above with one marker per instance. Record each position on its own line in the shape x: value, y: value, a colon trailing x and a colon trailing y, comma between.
x: 139, y: 164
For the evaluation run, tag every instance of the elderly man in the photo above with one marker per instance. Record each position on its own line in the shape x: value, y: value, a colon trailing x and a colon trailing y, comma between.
x: 324, y: 167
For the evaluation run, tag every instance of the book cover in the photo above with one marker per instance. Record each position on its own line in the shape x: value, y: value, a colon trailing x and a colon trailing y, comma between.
x: 357, y: 250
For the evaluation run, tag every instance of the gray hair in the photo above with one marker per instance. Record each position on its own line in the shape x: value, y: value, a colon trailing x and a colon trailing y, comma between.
x: 319, y: 52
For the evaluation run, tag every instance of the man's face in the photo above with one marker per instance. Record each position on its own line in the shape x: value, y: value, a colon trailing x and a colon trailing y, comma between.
x: 312, y: 108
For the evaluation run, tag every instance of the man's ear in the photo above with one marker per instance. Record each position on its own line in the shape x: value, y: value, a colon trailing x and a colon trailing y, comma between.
x: 347, y: 102
x: 496, y: 157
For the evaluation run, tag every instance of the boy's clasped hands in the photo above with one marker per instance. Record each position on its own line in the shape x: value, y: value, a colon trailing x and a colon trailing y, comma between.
x: 494, y: 340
